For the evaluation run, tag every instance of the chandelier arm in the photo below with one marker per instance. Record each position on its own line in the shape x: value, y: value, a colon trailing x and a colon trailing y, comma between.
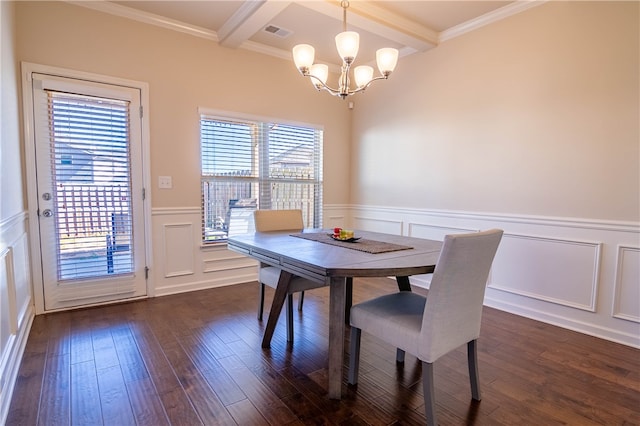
x: 331, y: 90
x: 381, y: 77
x: 362, y: 89
x: 342, y: 94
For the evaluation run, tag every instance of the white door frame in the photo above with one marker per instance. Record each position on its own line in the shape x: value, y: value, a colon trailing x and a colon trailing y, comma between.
x: 30, y: 164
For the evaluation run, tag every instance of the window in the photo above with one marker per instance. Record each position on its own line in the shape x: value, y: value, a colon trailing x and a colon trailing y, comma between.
x: 91, y: 184
x: 249, y: 165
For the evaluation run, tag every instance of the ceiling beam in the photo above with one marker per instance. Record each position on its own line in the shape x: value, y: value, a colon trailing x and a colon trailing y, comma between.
x: 250, y: 18
x: 369, y: 17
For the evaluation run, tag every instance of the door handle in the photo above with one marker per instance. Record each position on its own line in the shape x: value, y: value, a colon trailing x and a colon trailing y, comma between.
x: 47, y: 213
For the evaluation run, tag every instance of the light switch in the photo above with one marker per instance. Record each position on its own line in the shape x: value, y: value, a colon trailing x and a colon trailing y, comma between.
x: 164, y: 182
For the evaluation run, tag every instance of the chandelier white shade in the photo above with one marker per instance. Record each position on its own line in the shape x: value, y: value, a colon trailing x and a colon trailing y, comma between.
x: 348, y: 44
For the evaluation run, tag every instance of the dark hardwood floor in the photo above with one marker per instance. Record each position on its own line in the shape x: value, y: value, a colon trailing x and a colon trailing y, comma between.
x: 195, y: 358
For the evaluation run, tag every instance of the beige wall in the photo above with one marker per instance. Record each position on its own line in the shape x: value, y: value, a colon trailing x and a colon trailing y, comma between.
x: 537, y: 114
x: 16, y: 306
x: 184, y: 72
x: 11, y: 183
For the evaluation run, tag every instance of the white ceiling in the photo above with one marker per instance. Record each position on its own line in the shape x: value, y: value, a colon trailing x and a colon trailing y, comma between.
x: 411, y: 26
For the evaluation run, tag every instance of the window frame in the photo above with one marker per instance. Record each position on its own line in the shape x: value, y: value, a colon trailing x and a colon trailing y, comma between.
x: 260, y: 178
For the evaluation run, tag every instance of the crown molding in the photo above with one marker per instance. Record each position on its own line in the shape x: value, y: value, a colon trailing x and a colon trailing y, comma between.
x: 423, y: 38
x: 489, y: 18
x: 147, y: 18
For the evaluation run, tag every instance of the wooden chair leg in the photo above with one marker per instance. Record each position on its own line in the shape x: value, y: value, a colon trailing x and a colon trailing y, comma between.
x: 429, y: 394
x: 300, y: 300
x: 399, y: 356
x: 290, y: 318
x: 261, y: 302
x: 354, y: 355
x: 474, y: 377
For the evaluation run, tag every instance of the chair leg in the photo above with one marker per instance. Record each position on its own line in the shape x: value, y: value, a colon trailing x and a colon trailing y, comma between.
x: 261, y: 302
x: 474, y: 377
x: 399, y: 355
x: 354, y: 355
x: 300, y: 300
x: 290, y: 318
x: 429, y: 394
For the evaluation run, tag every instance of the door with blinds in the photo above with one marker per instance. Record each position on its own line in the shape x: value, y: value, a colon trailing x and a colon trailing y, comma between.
x: 90, y: 195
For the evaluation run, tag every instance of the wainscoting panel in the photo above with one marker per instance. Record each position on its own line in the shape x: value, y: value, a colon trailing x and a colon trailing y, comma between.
x: 16, y: 303
x: 386, y: 226
x: 579, y: 274
x: 576, y: 273
x: 555, y: 270
x: 184, y: 263
x: 22, y: 279
x: 7, y: 303
x: 227, y: 262
x: 627, y: 290
x: 177, y: 260
x: 434, y: 232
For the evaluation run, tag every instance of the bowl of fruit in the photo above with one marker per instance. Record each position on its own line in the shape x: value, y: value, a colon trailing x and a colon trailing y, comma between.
x: 347, y: 235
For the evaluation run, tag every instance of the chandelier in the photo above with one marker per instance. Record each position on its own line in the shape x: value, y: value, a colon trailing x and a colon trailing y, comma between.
x: 347, y: 43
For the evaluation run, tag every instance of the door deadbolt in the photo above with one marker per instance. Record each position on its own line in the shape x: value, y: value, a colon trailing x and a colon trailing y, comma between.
x: 47, y: 213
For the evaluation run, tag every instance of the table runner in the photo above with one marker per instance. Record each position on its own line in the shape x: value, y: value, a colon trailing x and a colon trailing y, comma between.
x: 367, y: 246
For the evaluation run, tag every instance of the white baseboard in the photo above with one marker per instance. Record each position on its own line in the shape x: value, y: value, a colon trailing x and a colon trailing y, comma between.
x: 564, y: 321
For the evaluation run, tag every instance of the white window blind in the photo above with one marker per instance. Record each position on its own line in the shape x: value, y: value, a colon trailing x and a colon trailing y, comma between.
x: 251, y: 164
x: 91, y: 174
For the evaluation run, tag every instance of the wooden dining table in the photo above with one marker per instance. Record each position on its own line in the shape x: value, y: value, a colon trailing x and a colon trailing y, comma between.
x: 314, y: 255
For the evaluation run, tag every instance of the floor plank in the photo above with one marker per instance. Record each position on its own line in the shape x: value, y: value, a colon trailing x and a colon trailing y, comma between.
x: 195, y: 358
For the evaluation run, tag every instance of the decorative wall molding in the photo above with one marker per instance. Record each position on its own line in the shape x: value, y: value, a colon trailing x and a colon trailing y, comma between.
x: 197, y: 31
x: 12, y: 223
x: 226, y: 263
x: 16, y: 303
x: 8, y: 306
x: 566, y: 222
x: 584, y: 275
x: 389, y: 226
x: 148, y: 18
x: 488, y: 18
x: 569, y: 272
x: 188, y: 264
x: 435, y: 232
x: 177, y: 260
x: 555, y: 270
x: 626, y: 284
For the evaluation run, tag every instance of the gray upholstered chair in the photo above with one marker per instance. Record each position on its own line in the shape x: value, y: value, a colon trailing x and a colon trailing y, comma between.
x: 281, y: 220
x: 447, y: 318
